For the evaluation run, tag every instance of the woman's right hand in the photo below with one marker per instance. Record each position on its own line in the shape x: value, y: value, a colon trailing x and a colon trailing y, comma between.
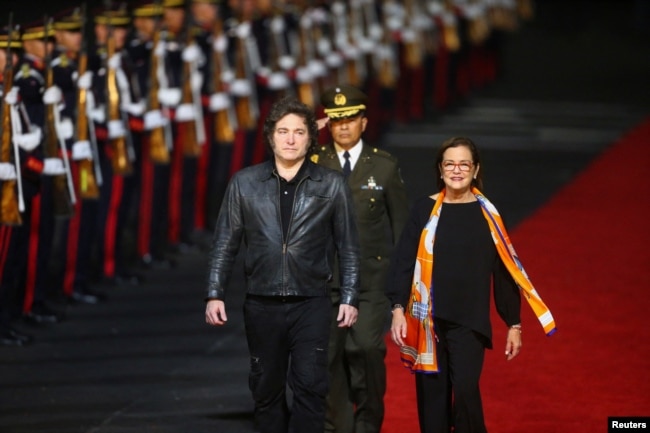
x: 398, y: 327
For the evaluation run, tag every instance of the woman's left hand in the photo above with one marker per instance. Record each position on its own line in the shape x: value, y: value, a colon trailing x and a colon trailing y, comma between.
x: 513, y: 343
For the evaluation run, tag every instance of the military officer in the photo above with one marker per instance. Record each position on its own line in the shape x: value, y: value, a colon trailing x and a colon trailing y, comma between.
x: 355, y: 402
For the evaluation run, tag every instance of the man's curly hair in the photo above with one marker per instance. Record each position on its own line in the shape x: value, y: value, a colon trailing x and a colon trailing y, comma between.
x: 290, y: 105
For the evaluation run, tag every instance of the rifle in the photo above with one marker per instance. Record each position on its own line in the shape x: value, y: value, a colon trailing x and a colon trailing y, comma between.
x: 9, y: 204
x: 158, y: 147
x: 245, y: 103
x: 279, y: 59
x: 194, y: 135
x: 386, y: 61
x: 344, y: 28
x: 322, y: 31
x: 62, y: 187
x: 450, y: 30
x: 89, y: 172
x: 307, y: 83
x: 225, y: 121
x: 121, y: 159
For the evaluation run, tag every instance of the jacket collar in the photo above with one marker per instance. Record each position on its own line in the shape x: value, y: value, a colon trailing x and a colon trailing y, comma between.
x: 268, y: 171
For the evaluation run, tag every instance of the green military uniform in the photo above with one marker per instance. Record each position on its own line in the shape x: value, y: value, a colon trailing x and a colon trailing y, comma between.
x: 357, y: 370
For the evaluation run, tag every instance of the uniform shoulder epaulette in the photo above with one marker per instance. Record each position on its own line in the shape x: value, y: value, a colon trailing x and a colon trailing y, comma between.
x: 24, y: 70
x: 325, y: 149
x: 383, y: 154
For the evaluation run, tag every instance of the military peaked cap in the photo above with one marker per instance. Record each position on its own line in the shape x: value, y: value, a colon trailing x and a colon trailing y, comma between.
x: 343, y: 101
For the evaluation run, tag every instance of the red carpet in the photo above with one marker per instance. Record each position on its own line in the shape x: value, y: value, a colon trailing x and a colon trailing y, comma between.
x: 587, y: 252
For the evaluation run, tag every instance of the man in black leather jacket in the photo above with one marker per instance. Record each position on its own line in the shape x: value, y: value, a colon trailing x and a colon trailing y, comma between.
x: 294, y: 218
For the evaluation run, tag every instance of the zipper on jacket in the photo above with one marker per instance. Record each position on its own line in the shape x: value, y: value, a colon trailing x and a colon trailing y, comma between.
x: 285, y: 240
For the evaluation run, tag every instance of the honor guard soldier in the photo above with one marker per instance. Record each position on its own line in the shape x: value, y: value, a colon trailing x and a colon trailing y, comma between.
x: 183, y: 58
x: 209, y: 36
x: 222, y: 120
x: 78, y: 232
x: 355, y: 402
x: 13, y: 234
x: 118, y: 106
x: 47, y: 190
x: 147, y: 49
x: 245, y: 61
x: 274, y: 30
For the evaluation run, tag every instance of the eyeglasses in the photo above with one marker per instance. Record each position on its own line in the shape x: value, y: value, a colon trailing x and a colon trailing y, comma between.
x: 462, y: 166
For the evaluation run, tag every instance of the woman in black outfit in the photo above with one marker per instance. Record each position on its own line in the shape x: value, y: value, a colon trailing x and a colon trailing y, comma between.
x: 459, y: 285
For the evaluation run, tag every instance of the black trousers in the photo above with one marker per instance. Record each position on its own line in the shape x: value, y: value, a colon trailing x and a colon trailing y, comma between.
x: 287, y: 341
x: 452, y: 397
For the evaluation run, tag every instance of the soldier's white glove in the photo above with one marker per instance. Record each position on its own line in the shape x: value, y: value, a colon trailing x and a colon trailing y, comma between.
x: 52, y: 95
x: 66, y: 128
x: 154, y: 119
x: 169, y: 97
x: 159, y: 49
x: 28, y: 141
x: 278, y: 80
x: 376, y: 32
x: 53, y: 166
x: 115, y: 61
x: 241, y: 87
x: 243, y: 30
x: 277, y: 24
x: 324, y: 47
x: 219, y: 101
x: 116, y: 129
x: 7, y: 171
x: 11, y: 97
x: 98, y: 114
x: 191, y: 53
x: 317, y: 68
x: 227, y: 77
x: 85, y: 81
x: 287, y: 62
x: 220, y: 44
x: 334, y: 60
x: 134, y: 108
x: 81, y: 150
x: 366, y: 45
x: 185, y: 113
x: 303, y: 75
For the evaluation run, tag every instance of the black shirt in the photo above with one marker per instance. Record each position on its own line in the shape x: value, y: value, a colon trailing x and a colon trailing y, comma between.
x: 287, y: 196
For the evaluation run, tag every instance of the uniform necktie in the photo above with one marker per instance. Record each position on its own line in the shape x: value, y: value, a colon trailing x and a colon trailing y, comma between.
x: 347, y: 168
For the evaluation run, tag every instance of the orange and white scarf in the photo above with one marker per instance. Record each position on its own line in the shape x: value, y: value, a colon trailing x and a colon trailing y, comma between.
x: 419, y: 350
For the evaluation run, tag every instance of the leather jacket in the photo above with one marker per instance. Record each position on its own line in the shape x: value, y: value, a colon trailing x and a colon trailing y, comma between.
x: 322, y: 224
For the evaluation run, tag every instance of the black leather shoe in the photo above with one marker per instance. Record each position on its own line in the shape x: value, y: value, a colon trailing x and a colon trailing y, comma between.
x: 41, y: 314
x: 83, y: 298
x: 150, y: 262
x: 12, y: 337
x: 129, y: 278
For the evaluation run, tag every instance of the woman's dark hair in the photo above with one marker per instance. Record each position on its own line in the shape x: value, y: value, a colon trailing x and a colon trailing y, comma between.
x: 290, y: 105
x: 476, y: 159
